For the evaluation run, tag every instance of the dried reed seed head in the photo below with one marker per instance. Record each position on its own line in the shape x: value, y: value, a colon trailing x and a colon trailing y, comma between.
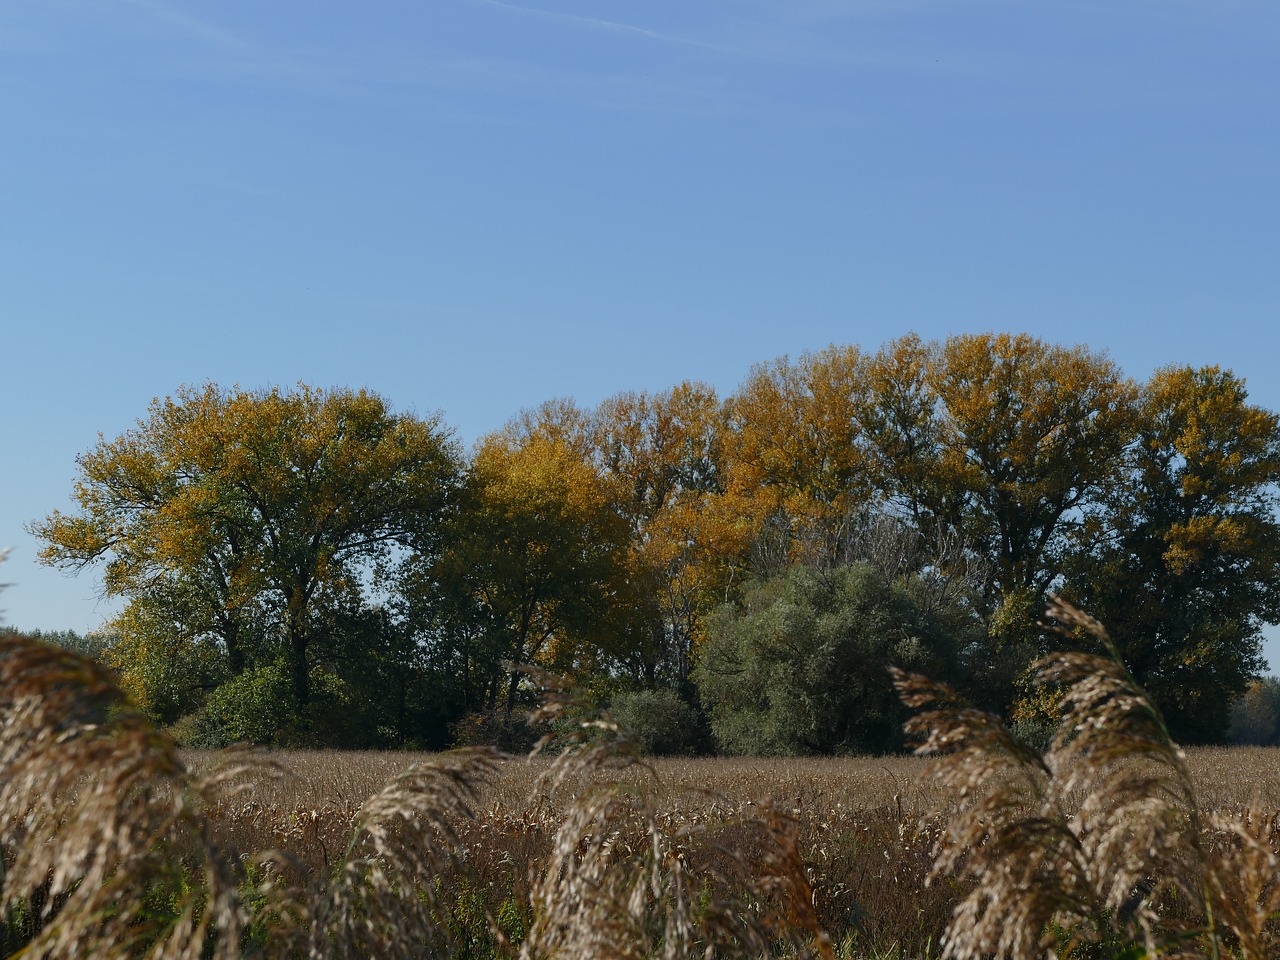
x: 1066, y: 617
x: 1091, y: 839
x: 98, y: 814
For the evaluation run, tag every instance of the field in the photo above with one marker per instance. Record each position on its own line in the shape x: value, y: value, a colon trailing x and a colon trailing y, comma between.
x: 115, y: 844
x: 865, y: 826
x: 858, y: 823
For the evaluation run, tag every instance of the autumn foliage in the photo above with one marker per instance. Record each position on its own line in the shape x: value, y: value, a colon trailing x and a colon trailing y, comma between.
x: 349, y: 568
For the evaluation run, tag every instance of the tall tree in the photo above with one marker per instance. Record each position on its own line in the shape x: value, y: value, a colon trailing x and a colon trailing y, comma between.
x: 794, y: 449
x: 1041, y: 430
x: 1004, y: 442
x: 1188, y: 569
x: 251, y: 500
x: 533, y: 567
x: 661, y: 458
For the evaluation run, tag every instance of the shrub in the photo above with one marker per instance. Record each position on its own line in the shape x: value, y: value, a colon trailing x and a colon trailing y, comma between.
x: 1255, y: 716
x: 493, y: 728
x: 1036, y: 735
x: 250, y: 708
x: 660, y: 723
x: 800, y: 666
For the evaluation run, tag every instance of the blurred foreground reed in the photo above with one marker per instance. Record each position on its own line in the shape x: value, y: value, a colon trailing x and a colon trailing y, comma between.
x: 117, y: 844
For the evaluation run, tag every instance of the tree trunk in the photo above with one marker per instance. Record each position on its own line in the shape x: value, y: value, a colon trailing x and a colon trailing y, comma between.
x: 512, y: 683
x: 298, y: 667
x: 235, y: 653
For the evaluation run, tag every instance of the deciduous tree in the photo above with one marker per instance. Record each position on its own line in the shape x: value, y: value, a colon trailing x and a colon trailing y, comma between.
x: 662, y: 461
x: 1188, y: 570
x: 533, y: 566
x: 1033, y: 435
x: 283, y: 501
x: 794, y: 449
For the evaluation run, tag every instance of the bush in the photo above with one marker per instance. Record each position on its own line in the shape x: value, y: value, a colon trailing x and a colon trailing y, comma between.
x: 1036, y: 734
x: 801, y: 667
x: 483, y: 728
x: 659, y: 721
x: 250, y: 708
x: 1255, y: 716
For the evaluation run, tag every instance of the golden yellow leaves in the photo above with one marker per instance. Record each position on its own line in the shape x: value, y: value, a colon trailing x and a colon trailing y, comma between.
x: 264, y: 499
x: 1214, y: 455
x: 538, y: 548
x: 1222, y: 443
x: 793, y: 436
x: 1190, y: 542
x: 541, y: 475
x: 1032, y: 413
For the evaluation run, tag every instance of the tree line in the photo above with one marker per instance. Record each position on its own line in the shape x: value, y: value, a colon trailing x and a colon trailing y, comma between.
x: 311, y: 566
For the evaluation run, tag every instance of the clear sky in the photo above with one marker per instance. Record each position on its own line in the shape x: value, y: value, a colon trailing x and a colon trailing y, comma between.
x: 472, y: 206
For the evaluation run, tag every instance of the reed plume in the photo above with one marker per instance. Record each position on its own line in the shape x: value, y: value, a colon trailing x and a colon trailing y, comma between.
x: 100, y: 822
x: 1102, y: 840
x: 389, y: 894
x: 624, y: 882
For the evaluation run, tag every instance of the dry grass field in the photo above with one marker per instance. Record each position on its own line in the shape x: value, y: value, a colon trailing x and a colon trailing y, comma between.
x: 114, y: 844
x: 861, y: 825
x: 866, y: 826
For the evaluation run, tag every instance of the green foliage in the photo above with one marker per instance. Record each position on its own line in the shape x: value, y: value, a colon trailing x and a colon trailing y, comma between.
x: 258, y: 707
x: 250, y: 708
x: 472, y: 929
x: 1035, y: 734
x: 800, y: 666
x: 1255, y: 715
x: 165, y: 669
x: 659, y: 721
x: 489, y: 728
x: 381, y: 689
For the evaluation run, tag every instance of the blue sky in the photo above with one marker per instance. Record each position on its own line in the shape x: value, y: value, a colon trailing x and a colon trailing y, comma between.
x: 472, y: 206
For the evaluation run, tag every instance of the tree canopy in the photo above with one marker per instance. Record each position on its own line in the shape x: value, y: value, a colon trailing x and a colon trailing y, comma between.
x: 308, y: 540
x: 247, y: 516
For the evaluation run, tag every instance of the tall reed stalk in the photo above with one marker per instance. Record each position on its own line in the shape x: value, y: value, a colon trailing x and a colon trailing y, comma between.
x: 1098, y: 845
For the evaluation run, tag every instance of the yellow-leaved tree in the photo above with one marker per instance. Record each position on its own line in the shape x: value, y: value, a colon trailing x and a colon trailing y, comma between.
x: 1005, y: 441
x: 264, y: 511
x: 532, y: 571
x: 662, y: 460
x: 1032, y: 436
x: 795, y: 460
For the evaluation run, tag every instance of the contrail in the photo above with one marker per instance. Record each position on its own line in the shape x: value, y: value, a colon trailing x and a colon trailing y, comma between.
x: 601, y: 24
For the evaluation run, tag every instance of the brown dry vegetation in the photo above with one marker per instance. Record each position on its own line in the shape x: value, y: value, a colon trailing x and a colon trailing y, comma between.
x: 865, y: 826
x: 1113, y: 844
x: 858, y: 824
